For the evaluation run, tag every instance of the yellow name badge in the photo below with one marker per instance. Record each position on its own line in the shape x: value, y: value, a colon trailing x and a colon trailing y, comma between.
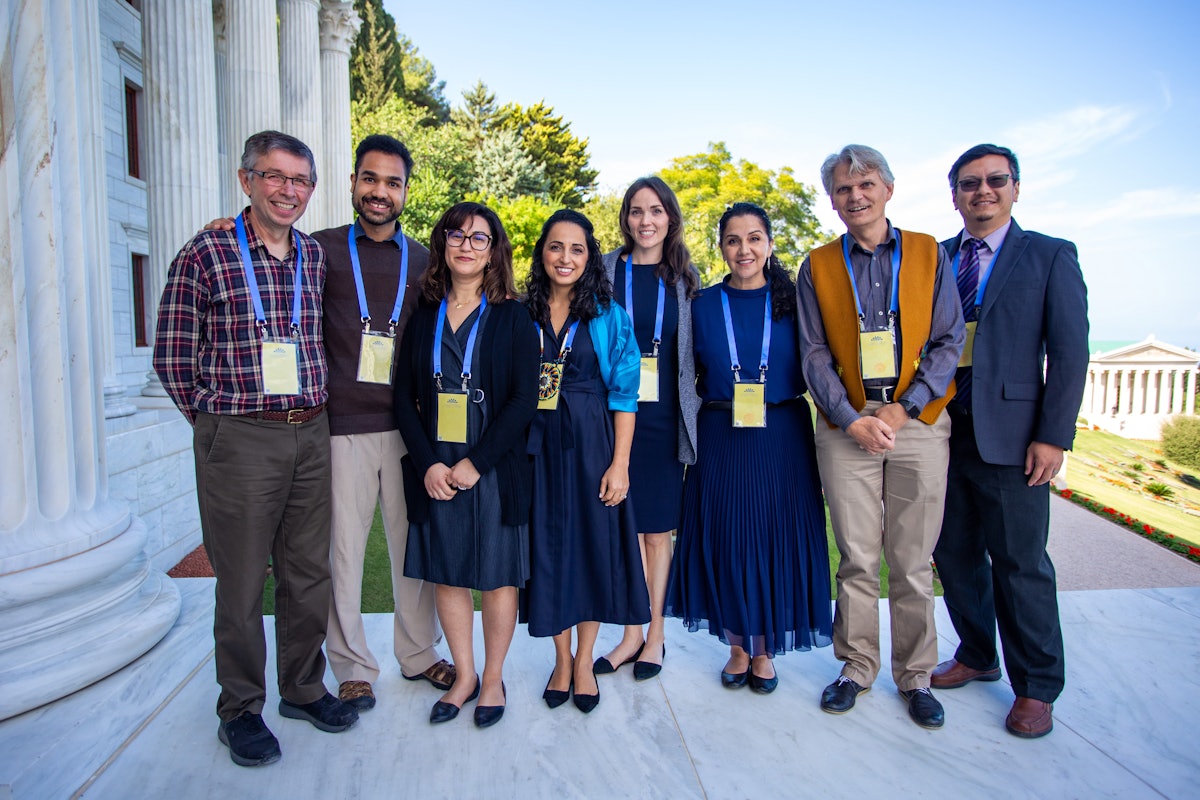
x: 648, y: 388
x: 749, y: 405
x: 376, y: 354
x: 280, y: 367
x: 548, y: 383
x: 452, y: 417
x: 969, y: 347
x: 877, y: 351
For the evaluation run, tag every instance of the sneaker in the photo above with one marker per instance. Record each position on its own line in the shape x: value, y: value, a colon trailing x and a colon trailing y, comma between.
x: 327, y: 713
x: 250, y: 741
x: 357, y: 694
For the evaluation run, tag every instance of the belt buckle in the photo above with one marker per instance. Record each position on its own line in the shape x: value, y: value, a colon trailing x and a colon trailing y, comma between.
x: 293, y: 415
x: 883, y: 392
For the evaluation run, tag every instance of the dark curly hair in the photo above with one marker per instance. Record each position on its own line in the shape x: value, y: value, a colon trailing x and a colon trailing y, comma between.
x: 591, y: 292
x: 498, y: 275
x: 783, y: 288
x: 676, y: 260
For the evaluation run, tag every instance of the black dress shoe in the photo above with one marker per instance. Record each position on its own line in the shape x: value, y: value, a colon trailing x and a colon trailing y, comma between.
x: 763, y: 685
x: 487, y: 716
x: 924, y: 708
x: 326, y: 713
x: 444, y: 712
x: 645, y: 670
x: 602, y: 666
x: 839, y: 696
x: 734, y: 680
x: 556, y: 697
x: 586, y: 702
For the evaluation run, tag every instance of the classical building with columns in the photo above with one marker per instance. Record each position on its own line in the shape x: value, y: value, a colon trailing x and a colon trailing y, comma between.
x: 122, y: 125
x: 1132, y: 390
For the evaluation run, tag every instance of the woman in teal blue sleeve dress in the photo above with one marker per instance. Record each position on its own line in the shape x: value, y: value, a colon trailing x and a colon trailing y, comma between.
x: 585, y: 564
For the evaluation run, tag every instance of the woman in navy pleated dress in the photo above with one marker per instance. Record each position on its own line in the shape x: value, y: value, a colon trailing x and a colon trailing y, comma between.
x: 654, y: 281
x: 751, y: 562
x: 585, y: 566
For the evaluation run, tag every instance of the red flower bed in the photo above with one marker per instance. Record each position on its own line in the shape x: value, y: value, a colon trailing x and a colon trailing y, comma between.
x: 1143, y: 529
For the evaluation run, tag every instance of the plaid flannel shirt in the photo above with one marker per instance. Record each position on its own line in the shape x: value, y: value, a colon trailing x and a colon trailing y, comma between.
x: 207, y: 347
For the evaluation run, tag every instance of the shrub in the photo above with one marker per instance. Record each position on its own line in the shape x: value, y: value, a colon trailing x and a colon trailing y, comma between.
x: 1160, y: 489
x: 1137, y: 466
x: 1181, y: 440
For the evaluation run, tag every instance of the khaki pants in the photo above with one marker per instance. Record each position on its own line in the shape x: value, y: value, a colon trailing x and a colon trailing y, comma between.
x: 366, y: 471
x: 890, y: 504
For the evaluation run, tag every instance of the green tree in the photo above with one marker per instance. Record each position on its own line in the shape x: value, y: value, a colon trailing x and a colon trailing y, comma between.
x: 421, y: 86
x: 478, y: 113
x: 708, y: 183
x: 503, y: 168
x: 604, y: 210
x: 522, y: 218
x: 549, y: 141
x: 376, y: 61
x: 1181, y: 440
x: 442, y: 169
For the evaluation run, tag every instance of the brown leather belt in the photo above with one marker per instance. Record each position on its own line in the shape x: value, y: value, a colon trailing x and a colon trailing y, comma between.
x: 295, y: 416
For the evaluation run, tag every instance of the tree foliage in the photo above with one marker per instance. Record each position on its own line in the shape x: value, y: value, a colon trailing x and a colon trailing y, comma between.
x: 421, y: 84
x: 549, y: 141
x: 1181, y: 440
x: 376, y: 61
x: 478, y: 113
x: 604, y: 211
x: 522, y: 218
x: 504, y: 169
x: 708, y: 183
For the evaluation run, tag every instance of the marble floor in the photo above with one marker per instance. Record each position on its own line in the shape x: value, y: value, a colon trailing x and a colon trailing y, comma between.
x: 1124, y: 727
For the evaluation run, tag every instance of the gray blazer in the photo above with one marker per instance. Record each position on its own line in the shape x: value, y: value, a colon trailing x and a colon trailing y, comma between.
x: 689, y: 401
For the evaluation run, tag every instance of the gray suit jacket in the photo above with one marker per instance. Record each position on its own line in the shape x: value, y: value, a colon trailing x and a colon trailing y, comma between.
x: 1034, y: 312
x: 689, y: 401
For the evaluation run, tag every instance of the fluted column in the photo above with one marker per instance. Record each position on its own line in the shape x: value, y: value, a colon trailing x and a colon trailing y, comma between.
x: 1177, y: 393
x: 1110, y: 395
x: 1089, y: 403
x: 300, y: 89
x: 77, y: 597
x: 251, y: 86
x: 1190, y: 392
x: 1140, y: 377
x: 1157, y: 386
x: 339, y: 24
x: 181, y: 134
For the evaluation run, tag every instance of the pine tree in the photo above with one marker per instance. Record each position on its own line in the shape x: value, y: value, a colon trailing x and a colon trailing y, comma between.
x: 376, y: 60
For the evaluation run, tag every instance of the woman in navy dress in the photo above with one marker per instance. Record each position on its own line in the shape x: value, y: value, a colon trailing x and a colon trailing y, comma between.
x: 751, y: 563
x: 654, y: 281
x: 468, y: 484
x: 585, y: 564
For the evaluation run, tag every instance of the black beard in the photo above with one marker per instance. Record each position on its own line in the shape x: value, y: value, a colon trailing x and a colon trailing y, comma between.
x: 372, y: 216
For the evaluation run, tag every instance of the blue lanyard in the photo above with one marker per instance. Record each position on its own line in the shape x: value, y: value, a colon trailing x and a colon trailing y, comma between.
x: 394, y: 319
x: 260, y: 315
x: 468, y: 354
x: 567, y: 342
x: 662, y: 299
x: 984, y: 278
x: 894, y: 306
x: 766, y: 339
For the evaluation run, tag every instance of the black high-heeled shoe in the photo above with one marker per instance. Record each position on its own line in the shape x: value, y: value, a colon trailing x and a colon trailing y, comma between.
x: 602, y: 666
x: 645, y: 670
x: 486, y: 716
x: 556, y: 697
x: 444, y: 712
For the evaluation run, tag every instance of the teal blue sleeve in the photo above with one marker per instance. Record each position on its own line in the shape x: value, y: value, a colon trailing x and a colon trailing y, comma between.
x: 620, y: 359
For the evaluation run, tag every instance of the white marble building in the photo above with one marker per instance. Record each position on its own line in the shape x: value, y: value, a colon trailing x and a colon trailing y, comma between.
x: 1133, y: 390
x: 122, y: 122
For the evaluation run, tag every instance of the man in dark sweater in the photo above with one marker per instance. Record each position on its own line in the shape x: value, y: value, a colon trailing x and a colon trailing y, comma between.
x: 370, y: 292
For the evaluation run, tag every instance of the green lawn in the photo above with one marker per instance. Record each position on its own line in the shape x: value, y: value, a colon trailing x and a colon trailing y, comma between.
x: 1116, y: 471
x: 377, y: 577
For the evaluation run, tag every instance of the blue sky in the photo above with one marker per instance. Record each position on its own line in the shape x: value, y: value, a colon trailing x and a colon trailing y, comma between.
x: 1100, y: 101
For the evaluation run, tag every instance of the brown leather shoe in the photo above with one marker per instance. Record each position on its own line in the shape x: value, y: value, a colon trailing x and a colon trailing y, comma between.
x: 1030, y: 718
x: 357, y: 694
x: 442, y: 675
x: 953, y: 674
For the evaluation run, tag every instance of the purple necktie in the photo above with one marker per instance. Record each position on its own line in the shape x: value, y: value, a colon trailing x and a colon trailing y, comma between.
x: 968, y: 287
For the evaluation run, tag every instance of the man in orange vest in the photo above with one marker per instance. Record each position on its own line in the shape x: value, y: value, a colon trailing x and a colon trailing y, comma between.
x: 881, y: 331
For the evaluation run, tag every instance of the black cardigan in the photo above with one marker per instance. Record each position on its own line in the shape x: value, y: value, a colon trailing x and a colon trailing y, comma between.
x: 507, y: 372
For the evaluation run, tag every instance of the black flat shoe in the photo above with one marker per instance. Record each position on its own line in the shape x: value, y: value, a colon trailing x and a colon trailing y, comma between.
x: 586, y: 702
x: 734, y: 680
x: 444, y: 712
x: 487, y: 716
x: 763, y: 685
x: 555, y: 697
x: 602, y: 666
x: 645, y: 670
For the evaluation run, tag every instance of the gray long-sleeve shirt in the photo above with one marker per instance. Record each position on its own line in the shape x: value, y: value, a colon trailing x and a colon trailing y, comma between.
x: 873, y: 280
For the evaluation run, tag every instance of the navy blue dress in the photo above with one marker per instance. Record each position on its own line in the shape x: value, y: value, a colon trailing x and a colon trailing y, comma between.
x: 585, y: 562
x: 655, y: 474
x: 751, y: 559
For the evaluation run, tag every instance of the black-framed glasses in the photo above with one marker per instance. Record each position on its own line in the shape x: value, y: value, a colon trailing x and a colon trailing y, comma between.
x: 276, y: 181
x: 479, y: 240
x: 993, y: 181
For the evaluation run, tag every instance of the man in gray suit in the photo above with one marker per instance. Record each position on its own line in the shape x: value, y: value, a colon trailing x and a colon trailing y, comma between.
x: 1020, y: 383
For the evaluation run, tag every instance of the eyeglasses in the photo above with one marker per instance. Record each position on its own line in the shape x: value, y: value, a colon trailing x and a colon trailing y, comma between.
x: 479, y: 240
x: 994, y: 181
x: 276, y: 181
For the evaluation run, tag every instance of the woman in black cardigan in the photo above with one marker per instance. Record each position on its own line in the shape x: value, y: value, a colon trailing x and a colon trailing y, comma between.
x: 466, y: 389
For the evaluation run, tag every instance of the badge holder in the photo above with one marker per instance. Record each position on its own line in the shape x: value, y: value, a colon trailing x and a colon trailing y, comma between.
x: 452, y: 412
x: 280, y: 363
x: 376, y: 355
x: 877, y: 353
x: 750, y: 401
x: 648, y: 385
x: 968, y: 352
x: 548, y: 384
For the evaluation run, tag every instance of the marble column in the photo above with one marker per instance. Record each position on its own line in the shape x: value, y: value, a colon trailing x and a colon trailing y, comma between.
x: 300, y: 90
x: 1158, y: 379
x: 250, y: 94
x: 1110, y: 392
x: 1190, y: 391
x: 1140, y: 378
x: 181, y: 132
x: 339, y: 24
x: 1089, y: 404
x: 78, y: 599
x: 1177, y: 392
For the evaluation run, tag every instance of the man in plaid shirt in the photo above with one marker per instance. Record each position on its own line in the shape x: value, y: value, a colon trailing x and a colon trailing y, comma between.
x: 239, y: 350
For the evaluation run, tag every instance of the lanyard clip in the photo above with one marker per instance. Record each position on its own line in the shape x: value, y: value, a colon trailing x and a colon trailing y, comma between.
x: 437, y: 380
x: 366, y: 323
x: 466, y: 376
x: 654, y: 350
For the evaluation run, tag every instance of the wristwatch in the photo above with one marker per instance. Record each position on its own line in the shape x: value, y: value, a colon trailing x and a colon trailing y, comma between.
x: 910, y: 409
